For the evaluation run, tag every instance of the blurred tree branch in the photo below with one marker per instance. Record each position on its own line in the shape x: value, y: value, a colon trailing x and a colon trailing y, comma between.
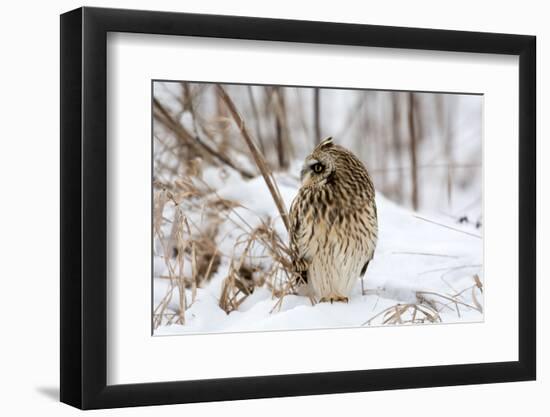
x: 164, y: 116
x: 258, y: 158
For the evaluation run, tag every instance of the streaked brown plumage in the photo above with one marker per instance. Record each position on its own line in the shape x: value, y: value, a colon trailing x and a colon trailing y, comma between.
x: 333, y: 220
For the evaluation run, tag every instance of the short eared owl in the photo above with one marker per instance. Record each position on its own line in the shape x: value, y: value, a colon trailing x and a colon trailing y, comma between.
x: 333, y: 222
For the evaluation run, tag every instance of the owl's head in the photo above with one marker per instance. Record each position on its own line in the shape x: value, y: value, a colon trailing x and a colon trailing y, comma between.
x: 319, y: 166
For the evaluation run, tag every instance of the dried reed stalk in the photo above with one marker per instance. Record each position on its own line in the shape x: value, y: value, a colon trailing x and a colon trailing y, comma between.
x: 257, y: 156
x: 256, y: 114
x: 164, y: 116
x: 181, y: 240
x: 420, y: 313
x: 413, y: 141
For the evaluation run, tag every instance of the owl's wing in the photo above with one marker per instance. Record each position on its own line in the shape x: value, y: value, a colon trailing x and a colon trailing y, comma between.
x: 364, y: 269
x: 297, y: 232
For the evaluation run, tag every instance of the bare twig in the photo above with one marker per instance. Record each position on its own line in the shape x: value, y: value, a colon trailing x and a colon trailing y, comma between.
x: 449, y: 269
x: 256, y: 114
x: 454, y: 300
x: 283, y: 144
x: 182, y: 133
x: 317, y: 115
x: 447, y: 227
x: 412, y: 147
x: 258, y: 158
x: 424, y: 254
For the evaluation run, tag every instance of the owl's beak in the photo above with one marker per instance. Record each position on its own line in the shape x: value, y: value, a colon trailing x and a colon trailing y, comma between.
x: 305, y: 176
x: 303, y: 173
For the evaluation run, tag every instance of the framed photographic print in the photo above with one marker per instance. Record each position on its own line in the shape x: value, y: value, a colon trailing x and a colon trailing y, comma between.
x: 257, y: 208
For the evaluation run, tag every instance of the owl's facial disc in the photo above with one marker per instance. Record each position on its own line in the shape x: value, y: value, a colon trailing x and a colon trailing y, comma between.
x: 314, y: 172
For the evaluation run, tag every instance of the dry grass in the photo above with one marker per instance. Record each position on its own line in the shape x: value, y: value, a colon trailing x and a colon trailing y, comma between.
x: 260, y: 257
x: 249, y: 270
x: 182, y: 243
x: 407, y: 314
x: 428, y: 307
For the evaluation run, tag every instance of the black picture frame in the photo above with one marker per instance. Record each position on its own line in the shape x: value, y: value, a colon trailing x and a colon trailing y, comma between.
x: 84, y: 207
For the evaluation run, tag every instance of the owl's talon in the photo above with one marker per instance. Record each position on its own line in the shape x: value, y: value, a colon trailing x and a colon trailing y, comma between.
x: 333, y: 299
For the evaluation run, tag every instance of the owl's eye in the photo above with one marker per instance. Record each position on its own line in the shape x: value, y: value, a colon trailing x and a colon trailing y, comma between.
x: 317, y: 168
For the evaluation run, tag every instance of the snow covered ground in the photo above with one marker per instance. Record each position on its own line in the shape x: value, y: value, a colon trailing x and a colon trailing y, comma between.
x: 421, y: 260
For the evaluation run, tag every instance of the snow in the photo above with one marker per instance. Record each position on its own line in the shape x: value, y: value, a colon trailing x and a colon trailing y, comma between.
x: 418, y: 256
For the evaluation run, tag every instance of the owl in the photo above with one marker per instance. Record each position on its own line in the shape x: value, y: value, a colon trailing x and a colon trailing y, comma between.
x: 333, y: 222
